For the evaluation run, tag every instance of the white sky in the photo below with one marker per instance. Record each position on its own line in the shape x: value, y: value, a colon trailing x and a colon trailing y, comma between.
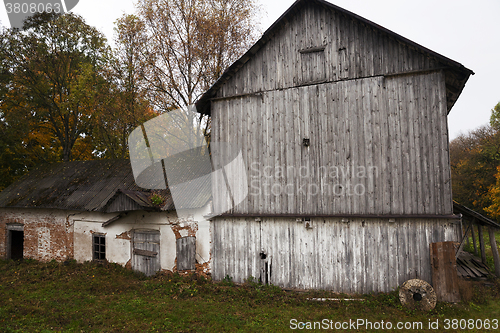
x: 465, y: 31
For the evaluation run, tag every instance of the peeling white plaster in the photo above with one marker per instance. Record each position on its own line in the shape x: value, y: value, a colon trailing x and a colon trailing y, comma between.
x: 44, y: 243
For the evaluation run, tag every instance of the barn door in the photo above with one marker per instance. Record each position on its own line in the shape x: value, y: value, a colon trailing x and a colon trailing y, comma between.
x: 146, y: 251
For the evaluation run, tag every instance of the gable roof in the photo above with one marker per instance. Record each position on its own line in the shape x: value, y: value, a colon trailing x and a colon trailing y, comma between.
x: 456, y: 74
x: 99, y: 185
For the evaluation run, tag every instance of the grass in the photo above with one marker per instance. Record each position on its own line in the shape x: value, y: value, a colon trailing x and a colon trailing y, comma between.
x: 91, y: 297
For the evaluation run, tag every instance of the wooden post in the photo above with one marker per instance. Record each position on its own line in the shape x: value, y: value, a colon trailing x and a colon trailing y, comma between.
x: 467, y: 239
x: 465, y: 235
x: 473, y: 237
x: 494, y: 250
x: 481, y: 243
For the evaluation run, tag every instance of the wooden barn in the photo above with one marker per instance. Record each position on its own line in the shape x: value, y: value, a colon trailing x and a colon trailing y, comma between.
x: 342, y: 125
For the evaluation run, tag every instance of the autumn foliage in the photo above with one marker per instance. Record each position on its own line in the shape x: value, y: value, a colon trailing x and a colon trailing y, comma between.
x: 475, y: 167
x: 65, y: 94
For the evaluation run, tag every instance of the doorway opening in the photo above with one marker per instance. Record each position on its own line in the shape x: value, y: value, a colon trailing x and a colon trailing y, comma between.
x: 16, y: 244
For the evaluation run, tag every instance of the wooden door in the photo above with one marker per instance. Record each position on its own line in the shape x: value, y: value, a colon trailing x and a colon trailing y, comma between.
x: 146, y: 251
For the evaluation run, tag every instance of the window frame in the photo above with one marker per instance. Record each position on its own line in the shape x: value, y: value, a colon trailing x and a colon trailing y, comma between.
x: 100, y: 241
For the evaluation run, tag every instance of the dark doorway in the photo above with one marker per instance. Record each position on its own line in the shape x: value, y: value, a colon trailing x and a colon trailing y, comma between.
x: 16, y: 244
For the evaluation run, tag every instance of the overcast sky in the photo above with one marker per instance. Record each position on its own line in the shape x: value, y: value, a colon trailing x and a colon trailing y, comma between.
x: 465, y: 31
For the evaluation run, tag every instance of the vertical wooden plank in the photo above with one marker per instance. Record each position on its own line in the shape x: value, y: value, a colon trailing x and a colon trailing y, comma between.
x: 370, y: 161
x: 297, y: 135
x: 473, y: 234
x: 433, y: 167
x: 355, y: 248
x: 385, y: 169
x: 314, y: 136
x: 412, y: 255
x: 425, y: 143
x: 186, y: 253
x: 341, y: 256
x: 336, y: 262
x: 395, y: 148
x: 321, y: 147
x: 482, y: 247
x: 368, y: 247
x: 411, y: 197
x: 379, y: 254
x: 402, y: 118
x: 393, y: 253
x: 416, y: 152
x: 494, y: 250
x: 331, y: 51
x: 403, y: 262
x: 444, y: 271
x: 445, y: 148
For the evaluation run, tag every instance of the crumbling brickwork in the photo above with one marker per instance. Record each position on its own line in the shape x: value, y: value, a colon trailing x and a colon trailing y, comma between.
x: 124, y: 235
x: 47, y: 233
x: 3, y: 237
x: 184, y: 228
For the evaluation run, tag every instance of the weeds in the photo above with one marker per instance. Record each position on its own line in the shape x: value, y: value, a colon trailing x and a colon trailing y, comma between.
x: 90, y: 297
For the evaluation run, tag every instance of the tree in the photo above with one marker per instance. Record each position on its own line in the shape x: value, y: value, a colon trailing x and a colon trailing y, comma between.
x: 127, y: 106
x: 495, y: 117
x: 474, y: 160
x: 55, y: 77
x: 22, y: 144
x: 475, y: 163
x: 187, y: 45
x: 494, y: 191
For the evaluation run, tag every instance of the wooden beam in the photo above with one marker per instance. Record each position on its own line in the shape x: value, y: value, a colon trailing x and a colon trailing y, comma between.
x: 465, y: 237
x: 473, y: 237
x: 444, y: 271
x: 481, y: 243
x: 494, y: 250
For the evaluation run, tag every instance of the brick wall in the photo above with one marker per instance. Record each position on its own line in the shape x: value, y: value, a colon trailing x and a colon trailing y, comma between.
x: 47, y: 233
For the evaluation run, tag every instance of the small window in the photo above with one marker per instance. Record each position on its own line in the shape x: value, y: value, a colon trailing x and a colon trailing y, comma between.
x: 313, y: 65
x: 99, y: 245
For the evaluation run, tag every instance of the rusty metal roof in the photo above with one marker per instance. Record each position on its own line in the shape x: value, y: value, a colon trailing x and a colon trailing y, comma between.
x: 83, y: 186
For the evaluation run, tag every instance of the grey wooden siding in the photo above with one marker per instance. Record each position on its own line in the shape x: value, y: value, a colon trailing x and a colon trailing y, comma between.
x: 351, y: 50
x: 393, y: 127
x: 123, y: 204
x: 359, y: 256
x: 186, y: 253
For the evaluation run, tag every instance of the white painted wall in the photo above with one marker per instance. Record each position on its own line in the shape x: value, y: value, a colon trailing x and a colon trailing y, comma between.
x: 118, y: 250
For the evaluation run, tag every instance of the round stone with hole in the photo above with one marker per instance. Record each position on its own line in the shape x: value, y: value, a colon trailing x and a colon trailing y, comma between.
x: 417, y: 294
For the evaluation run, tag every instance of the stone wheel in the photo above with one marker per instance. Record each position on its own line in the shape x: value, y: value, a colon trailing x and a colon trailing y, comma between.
x: 417, y: 294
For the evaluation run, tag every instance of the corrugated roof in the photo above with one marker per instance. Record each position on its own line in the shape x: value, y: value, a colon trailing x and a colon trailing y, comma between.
x: 81, y: 186
x: 456, y: 74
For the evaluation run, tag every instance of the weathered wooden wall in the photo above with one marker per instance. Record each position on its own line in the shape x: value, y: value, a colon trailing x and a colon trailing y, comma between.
x: 392, y: 128
x: 374, y: 112
x: 358, y: 256
x: 351, y: 50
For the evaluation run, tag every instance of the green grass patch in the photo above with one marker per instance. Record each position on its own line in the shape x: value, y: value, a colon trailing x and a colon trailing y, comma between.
x: 91, y: 297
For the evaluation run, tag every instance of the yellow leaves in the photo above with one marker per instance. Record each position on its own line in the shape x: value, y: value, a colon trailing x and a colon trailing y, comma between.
x: 494, y: 196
